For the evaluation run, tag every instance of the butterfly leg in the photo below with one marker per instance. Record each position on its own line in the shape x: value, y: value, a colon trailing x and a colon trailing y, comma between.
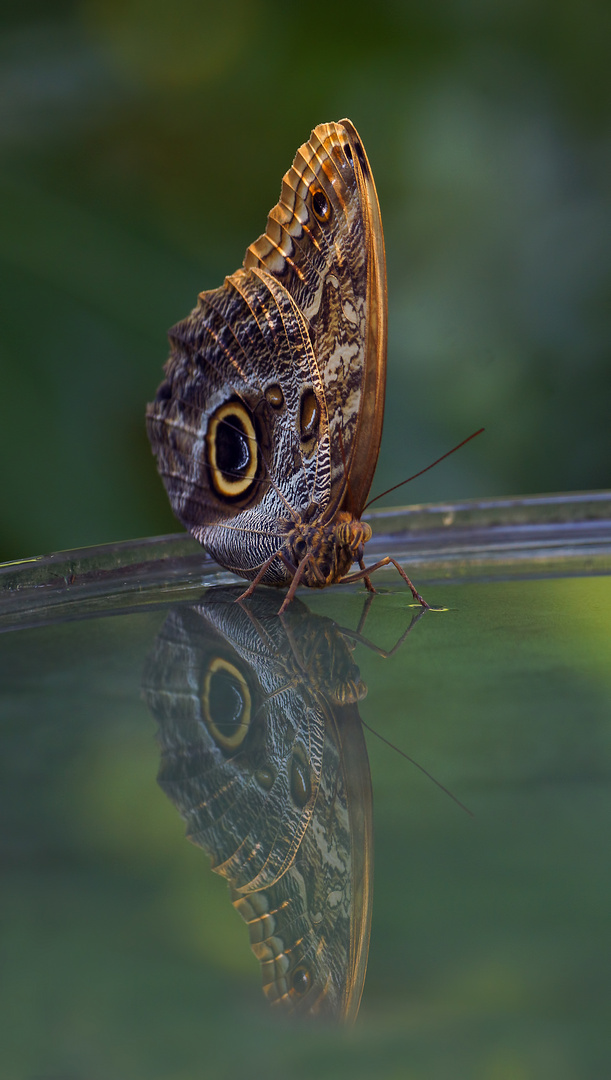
x: 386, y: 562
x: 366, y: 578
x: 294, y: 583
x: 261, y: 574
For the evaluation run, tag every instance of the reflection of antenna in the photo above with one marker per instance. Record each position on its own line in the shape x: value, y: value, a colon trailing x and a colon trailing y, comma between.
x: 418, y: 766
x: 431, y: 466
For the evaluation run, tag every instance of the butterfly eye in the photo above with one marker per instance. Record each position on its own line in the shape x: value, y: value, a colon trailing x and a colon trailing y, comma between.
x: 301, y: 980
x: 321, y: 206
x: 300, y: 549
x: 232, y: 449
x: 226, y: 704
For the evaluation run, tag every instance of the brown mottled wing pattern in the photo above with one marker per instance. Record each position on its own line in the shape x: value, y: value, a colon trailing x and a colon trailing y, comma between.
x: 336, y: 271
x: 267, y: 764
x: 307, y: 313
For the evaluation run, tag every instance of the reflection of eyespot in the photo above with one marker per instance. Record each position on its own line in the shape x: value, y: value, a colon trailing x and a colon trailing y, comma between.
x: 300, y: 980
x: 232, y: 449
x: 321, y: 206
x: 300, y: 781
x: 265, y: 777
x: 226, y: 703
x: 309, y: 416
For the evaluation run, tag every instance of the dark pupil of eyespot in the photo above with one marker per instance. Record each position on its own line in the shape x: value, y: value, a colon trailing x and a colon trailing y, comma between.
x: 321, y: 207
x: 164, y: 392
x: 300, y: 981
x: 232, y: 449
x: 226, y: 703
x: 300, y: 783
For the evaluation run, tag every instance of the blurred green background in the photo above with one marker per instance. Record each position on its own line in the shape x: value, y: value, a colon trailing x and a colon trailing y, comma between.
x: 142, y: 144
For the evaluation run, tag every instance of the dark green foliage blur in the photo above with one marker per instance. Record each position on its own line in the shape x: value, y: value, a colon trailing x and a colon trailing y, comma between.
x: 142, y: 144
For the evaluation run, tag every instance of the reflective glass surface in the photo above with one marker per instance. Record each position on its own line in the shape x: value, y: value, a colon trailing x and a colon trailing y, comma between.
x: 140, y: 703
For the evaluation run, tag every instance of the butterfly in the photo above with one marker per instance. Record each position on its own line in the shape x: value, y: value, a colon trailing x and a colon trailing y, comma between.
x: 268, y: 423
x: 263, y: 754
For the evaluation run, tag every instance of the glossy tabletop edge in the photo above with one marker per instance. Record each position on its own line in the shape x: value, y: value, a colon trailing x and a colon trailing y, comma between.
x: 540, y: 535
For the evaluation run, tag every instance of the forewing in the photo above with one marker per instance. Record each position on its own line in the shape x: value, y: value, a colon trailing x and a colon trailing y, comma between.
x: 324, y: 243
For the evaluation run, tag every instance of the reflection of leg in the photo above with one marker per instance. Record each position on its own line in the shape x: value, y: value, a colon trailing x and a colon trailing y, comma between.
x: 357, y: 637
x: 365, y: 612
x: 364, y: 573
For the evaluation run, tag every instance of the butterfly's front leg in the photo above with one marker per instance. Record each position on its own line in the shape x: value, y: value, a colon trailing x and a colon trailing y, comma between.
x: 365, y: 571
x: 366, y: 578
x: 281, y: 554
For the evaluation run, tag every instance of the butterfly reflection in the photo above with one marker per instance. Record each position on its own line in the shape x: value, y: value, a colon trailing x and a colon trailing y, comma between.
x: 263, y: 754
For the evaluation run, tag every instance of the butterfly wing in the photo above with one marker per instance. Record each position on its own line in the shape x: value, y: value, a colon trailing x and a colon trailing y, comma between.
x: 271, y: 410
x: 324, y: 242
x: 226, y: 425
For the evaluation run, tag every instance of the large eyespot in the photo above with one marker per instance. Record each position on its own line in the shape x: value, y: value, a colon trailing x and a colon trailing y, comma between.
x: 300, y: 980
x: 309, y: 416
x: 226, y: 703
x: 232, y: 449
x: 321, y: 206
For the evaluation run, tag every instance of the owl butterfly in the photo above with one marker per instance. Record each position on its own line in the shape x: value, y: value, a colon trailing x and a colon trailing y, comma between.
x: 267, y: 426
x: 263, y: 754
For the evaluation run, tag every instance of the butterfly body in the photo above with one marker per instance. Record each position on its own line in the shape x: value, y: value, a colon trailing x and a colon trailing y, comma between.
x: 268, y: 424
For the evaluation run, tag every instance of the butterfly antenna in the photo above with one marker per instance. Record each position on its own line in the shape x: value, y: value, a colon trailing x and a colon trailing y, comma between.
x: 418, y: 766
x: 346, y: 476
x: 431, y: 466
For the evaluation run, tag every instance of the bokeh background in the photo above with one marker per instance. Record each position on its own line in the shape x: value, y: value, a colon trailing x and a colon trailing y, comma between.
x: 142, y: 143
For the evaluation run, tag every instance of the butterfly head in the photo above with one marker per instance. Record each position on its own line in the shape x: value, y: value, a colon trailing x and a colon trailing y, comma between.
x: 327, y: 550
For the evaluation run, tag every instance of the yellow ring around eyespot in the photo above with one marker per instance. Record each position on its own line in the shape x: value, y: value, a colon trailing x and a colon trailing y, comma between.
x: 223, y: 484
x: 230, y: 742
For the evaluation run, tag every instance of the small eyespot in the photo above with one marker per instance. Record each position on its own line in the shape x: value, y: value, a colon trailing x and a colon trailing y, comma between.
x: 309, y: 416
x: 265, y: 777
x: 275, y: 396
x: 360, y: 153
x: 164, y: 393
x: 321, y: 206
x: 301, y: 980
x: 300, y: 781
